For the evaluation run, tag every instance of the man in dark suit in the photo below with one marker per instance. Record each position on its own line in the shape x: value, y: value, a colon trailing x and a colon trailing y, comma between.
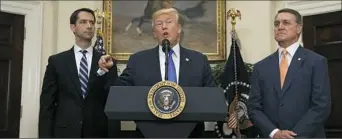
x: 290, y: 95
x: 73, y: 96
x: 146, y: 68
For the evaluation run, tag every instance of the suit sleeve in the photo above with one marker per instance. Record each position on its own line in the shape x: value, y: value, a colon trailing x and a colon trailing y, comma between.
x: 127, y: 76
x: 320, y: 102
x: 48, y: 101
x: 255, y: 106
x: 109, y: 78
x: 208, y: 80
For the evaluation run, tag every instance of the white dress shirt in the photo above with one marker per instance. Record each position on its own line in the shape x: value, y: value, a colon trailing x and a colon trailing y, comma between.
x: 175, y: 58
x: 291, y: 50
x: 79, y: 55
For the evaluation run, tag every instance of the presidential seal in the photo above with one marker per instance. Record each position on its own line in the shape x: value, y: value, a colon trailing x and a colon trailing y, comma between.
x: 166, y: 100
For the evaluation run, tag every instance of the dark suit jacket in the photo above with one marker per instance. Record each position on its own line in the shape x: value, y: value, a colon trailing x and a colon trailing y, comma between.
x: 143, y: 69
x: 302, y: 105
x: 63, y: 111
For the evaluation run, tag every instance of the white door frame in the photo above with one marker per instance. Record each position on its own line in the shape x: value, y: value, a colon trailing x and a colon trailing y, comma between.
x: 306, y: 8
x: 30, y: 89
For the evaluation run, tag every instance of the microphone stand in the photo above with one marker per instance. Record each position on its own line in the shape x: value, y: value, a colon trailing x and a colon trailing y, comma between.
x: 166, y: 61
x: 166, y: 47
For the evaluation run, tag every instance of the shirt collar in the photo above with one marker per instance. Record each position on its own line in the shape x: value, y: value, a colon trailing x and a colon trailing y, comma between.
x: 291, y: 49
x: 78, y: 49
x: 176, y: 49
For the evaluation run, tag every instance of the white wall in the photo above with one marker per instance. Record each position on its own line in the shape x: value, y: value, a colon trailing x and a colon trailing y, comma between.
x: 255, y: 29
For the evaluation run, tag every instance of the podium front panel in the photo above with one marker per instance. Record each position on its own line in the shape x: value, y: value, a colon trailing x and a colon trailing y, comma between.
x: 129, y: 103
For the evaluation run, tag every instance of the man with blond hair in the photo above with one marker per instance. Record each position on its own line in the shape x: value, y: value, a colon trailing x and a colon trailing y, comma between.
x: 146, y: 68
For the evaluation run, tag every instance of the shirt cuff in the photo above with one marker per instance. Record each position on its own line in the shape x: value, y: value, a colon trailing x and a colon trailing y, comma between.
x: 101, y: 72
x: 273, y: 132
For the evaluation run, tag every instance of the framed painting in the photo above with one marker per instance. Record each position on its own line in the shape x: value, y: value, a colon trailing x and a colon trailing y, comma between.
x: 128, y: 27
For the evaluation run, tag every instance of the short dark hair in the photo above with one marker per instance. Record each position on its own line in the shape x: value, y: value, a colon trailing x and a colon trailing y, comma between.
x: 74, y: 15
x: 293, y: 12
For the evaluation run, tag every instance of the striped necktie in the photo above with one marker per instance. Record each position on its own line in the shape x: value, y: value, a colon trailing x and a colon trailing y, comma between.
x: 83, y: 73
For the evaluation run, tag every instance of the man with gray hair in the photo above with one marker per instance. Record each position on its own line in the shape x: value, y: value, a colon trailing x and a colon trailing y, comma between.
x: 290, y: 94
x: 146, y: 68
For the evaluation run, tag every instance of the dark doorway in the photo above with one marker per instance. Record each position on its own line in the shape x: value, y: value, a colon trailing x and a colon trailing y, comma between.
x: 323, y: 34
x: 11, y: 63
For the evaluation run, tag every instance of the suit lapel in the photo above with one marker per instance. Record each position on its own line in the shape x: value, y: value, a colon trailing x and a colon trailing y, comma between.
x: 294, y: 68
x: 74, y: 75
x: 275, y: 71
x: 93, y: 70
x: 184, y: 66
x: 156, y: 65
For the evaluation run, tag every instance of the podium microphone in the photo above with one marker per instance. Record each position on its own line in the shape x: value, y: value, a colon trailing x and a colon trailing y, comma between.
x: 166, y: 49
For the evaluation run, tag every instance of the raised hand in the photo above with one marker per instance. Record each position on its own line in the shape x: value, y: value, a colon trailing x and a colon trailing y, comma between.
x: 106, y: 62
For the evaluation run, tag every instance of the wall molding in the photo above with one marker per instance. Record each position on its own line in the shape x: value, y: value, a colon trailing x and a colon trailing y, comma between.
x: 307, y: 8
x: 33, y: 11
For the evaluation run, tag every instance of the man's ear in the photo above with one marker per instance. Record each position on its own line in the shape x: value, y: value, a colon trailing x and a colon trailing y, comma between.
x: 72, y: 27
x: 153, y: 32
x: 179, y: 28
x: 299, y: 29
x: 154, y: 35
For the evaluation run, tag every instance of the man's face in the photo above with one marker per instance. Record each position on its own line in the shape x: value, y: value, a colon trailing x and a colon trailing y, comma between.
x: 286, y: 29
x: 166, y: 27
x: 85, y: 26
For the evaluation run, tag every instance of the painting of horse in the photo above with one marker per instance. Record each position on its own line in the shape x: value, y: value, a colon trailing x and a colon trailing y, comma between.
x: 130, y: 29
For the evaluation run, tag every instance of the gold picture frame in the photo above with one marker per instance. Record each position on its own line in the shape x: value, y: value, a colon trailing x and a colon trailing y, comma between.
x: 122, y: 52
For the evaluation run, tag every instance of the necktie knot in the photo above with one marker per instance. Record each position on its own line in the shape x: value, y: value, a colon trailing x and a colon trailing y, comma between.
x: 83, y: 51
x: 171, y: 52
x: 284, y: 52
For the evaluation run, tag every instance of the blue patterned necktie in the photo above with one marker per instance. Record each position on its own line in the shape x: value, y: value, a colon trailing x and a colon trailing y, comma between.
x: 171, y: 70
x: 83, y: 73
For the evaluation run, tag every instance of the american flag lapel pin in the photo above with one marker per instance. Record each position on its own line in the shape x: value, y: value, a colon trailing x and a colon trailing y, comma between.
x: 187, y: 59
